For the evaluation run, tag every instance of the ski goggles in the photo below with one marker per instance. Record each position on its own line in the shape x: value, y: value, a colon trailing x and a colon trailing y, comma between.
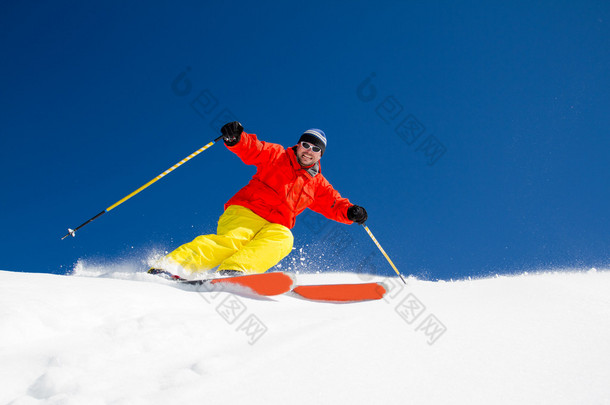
x: 314, y: 148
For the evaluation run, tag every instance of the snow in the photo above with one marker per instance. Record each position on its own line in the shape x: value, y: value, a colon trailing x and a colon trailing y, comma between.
x: 121, y: 337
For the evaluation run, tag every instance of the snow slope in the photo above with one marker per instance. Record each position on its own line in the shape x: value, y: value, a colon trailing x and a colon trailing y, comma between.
x: 127, y: 338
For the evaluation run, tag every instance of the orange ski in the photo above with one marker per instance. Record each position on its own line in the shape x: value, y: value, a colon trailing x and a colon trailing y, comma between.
x: 274, y: 283
x: 341, y: 292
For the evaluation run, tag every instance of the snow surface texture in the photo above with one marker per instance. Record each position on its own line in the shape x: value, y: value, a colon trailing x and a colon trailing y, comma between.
x: 132, y: 338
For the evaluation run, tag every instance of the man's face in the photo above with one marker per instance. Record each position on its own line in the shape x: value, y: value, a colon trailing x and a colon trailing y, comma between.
x: 306, y: 156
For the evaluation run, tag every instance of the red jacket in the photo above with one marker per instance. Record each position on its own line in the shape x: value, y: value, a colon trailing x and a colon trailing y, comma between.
x: 281, y: 189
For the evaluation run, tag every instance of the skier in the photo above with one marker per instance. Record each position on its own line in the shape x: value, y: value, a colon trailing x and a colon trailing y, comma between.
x: 253, y: 233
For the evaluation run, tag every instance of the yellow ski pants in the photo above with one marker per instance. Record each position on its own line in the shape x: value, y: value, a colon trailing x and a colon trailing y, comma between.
x: 244, y: 241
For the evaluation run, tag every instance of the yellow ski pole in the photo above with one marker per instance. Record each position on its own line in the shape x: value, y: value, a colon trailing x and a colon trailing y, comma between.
x: 127, y: 197
x: 384, y: 253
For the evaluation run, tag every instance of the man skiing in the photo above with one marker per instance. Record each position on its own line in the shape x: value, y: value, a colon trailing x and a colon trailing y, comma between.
x: 253, y: 233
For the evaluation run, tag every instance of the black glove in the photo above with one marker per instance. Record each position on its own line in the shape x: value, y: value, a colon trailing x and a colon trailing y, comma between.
x: 357, y: 214
x: 231, y: 133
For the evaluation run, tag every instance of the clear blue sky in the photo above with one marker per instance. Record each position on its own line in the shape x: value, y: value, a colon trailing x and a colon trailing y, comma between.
x: 477, y: 136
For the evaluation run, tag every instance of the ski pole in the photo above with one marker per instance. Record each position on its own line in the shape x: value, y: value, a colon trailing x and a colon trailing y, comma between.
x: 127, y: 197
x: 384, y: 253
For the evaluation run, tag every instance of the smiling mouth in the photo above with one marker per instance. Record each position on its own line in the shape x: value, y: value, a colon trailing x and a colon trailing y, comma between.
x: 305, y: 160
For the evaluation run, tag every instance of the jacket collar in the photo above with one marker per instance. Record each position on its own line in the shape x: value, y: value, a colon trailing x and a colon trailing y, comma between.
x: 313, y: 170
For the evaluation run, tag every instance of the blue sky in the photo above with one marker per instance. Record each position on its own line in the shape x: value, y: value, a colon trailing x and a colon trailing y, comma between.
x: 475, y: 135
